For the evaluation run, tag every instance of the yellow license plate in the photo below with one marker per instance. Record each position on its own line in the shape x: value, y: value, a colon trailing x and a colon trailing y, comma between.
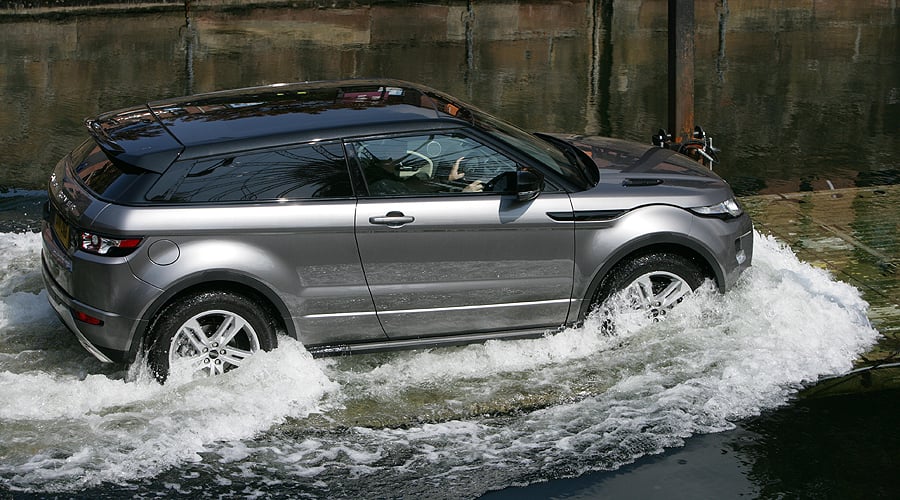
x: 61, y: 229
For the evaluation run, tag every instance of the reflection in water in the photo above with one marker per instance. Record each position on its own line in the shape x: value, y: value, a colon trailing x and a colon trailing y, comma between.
x: 804, y: 96
x: 597, y: 116
x: 823, y: 448
x: 818, y: 102
x: 845, y: 452
x: 721, y: 60
x: 190, y: 40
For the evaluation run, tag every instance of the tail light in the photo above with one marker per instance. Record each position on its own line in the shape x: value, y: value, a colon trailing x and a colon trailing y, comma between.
x: 102, y: 245
x: 87, y: 318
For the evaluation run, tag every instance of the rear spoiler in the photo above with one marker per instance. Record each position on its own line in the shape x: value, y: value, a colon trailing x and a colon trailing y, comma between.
x: 136, y: 137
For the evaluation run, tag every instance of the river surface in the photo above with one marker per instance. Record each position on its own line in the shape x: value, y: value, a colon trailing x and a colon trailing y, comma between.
x: 450, y: 423
x: 796, y: 93
x: 799, y: 95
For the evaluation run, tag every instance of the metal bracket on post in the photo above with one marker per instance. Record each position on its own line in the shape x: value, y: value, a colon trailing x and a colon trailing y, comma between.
x: 697, y: 145
x: 685, y: 137
x: 681, y: 67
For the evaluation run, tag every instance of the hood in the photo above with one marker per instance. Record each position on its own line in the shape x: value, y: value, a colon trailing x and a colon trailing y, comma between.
x: 625, y: 159
x: 633, y: 174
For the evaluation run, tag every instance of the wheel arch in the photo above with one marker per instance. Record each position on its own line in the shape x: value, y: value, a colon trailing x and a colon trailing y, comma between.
x: 223, y: 280
x: 670, y: 243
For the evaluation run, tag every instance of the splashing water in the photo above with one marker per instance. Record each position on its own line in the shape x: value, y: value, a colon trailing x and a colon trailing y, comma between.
x: 451, y: 422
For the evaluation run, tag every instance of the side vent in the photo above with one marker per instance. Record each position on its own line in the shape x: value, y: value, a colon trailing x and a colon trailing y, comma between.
x: 641, y: 182
x: 587, y: 215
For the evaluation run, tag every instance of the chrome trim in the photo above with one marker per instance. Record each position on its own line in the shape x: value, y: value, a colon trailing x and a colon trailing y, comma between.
x: 90, y: 347
x: 441, y: 309
x: 426, y: 342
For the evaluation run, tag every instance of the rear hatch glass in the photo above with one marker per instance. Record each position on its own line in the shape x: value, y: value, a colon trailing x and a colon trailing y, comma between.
x: 108, y: 179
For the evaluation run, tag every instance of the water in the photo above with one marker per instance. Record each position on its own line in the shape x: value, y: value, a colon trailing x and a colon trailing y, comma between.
x: 814, y: 448
x: 796, y: 95
x: 798, y: 98
x: 439, y: 423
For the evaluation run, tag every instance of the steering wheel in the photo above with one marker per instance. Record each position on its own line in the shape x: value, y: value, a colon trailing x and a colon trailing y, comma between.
x: 428, y: 169
x: 363, y: 152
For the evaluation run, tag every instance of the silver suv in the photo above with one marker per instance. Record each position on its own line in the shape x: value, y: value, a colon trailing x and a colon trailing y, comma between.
x: 359, y: 216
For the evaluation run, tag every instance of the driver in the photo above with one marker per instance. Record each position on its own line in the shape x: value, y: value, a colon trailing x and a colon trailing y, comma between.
x: 456, y: 174
x: 383, y: 179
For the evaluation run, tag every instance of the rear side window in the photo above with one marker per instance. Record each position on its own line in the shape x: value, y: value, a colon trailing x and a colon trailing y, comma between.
x: 297, y: 172
x: 108, y: 179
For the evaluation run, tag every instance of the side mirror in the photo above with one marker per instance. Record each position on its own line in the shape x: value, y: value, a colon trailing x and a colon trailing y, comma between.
x: 528, y: 184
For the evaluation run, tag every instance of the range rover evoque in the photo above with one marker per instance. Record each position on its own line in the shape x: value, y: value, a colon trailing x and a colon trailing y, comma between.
x: 359, y: 216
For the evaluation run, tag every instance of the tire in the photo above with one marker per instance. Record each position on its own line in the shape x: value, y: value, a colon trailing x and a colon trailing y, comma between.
x: 188, y: 330
x: 653, y: 282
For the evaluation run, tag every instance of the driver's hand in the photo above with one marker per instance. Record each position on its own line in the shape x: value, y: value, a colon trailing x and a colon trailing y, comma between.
x: 474, y: 187
x: 455, y: 173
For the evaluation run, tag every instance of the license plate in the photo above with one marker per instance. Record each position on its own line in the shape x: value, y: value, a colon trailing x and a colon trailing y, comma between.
x: 61, y: 229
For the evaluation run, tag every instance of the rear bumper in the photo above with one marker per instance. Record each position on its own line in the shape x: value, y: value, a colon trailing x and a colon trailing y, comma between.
x: 63, y: 309
x: 111, y: 341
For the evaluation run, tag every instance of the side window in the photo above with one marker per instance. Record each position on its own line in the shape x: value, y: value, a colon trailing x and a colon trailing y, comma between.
x: 434, y: 164
x: 298, y: 172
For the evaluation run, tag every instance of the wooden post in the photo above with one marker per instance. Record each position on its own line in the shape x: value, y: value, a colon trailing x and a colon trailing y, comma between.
x: 681, y: 68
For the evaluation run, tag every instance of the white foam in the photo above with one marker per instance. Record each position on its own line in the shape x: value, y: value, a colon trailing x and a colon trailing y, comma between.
x: 20, y: 261
x: 601, y: 400
x: 716, y: 359
x: 114, y: 431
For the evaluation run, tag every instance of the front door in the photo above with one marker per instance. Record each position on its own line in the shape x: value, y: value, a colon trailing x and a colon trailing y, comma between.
x: 444, y: 254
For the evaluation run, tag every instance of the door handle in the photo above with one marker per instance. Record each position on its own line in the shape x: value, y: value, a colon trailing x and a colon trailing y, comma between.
x: 392, y: 219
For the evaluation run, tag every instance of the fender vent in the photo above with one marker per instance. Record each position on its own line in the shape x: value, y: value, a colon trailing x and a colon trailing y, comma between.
x: 641, y: 182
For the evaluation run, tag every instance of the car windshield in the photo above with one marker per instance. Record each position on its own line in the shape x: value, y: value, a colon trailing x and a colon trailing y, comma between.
x: 545, y: 152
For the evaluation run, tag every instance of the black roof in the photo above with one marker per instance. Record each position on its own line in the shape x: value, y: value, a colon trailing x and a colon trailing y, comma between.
x: 153, y: 135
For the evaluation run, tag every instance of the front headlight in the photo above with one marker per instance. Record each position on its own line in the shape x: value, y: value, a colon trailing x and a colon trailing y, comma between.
x: 729, y: 208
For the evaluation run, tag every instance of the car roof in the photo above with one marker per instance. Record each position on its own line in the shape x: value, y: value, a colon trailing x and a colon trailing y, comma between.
x: 151, y: 136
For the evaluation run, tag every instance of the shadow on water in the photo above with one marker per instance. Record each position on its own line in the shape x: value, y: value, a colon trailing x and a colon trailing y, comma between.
x: 820, y: 448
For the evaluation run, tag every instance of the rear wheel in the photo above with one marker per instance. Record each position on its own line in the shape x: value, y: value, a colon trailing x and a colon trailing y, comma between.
x: 652, y: 283
x: 208, y: 333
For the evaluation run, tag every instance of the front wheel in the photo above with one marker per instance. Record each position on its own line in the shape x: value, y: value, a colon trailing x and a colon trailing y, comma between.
x: 208, y: 333
x: 652, y: 283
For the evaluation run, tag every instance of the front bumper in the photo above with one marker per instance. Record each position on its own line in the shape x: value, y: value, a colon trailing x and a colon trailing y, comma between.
x: 741, y: 258
x: 729, y: 244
